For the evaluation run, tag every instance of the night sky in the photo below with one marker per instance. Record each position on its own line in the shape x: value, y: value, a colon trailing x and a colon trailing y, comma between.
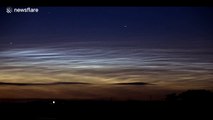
x: 88, y: 52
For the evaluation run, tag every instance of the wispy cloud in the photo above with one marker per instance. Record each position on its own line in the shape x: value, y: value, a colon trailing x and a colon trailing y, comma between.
x: 106, y: 65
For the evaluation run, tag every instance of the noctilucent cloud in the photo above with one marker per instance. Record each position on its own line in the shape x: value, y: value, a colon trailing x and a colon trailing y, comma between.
x: 169, y: 48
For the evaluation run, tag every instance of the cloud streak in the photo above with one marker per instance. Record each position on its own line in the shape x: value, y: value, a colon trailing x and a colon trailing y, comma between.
x: 107, y: 65
x: 38, y: 84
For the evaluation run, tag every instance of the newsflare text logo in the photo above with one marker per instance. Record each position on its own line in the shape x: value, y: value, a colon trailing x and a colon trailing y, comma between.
x: 20, y: 10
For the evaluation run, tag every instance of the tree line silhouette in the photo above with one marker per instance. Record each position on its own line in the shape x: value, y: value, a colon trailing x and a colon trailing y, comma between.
x: 191, y: 96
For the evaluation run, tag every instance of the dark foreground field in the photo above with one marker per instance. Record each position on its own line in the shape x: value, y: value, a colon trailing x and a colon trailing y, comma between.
x: 172, y: 108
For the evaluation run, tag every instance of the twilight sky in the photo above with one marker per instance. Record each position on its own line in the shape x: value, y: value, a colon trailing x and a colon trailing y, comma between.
x: 86, y: 52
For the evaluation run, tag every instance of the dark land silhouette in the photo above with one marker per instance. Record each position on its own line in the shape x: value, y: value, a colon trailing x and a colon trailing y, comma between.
x: 192, y: 103
x: 191, y: 96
